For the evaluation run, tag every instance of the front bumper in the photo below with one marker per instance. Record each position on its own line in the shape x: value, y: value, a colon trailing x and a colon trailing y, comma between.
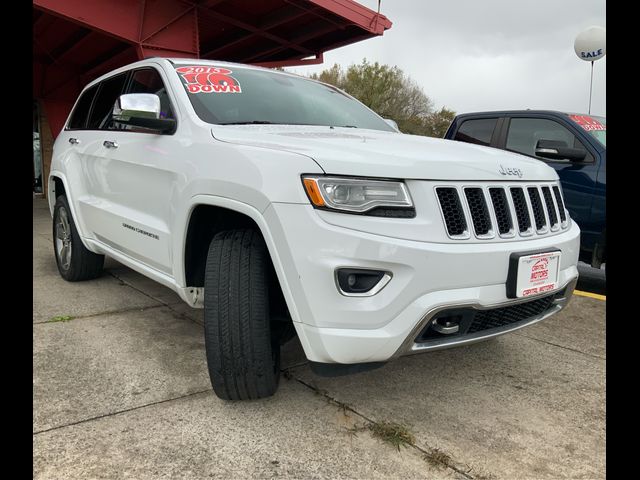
x: 427, y: 278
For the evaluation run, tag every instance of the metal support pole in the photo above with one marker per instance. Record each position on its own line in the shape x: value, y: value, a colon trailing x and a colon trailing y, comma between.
x: 591, y: 87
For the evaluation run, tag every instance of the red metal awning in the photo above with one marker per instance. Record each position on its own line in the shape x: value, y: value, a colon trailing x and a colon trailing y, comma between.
x: 76, y: 41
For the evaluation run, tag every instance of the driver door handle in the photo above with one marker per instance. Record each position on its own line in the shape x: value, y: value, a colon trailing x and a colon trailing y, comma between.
x: 110, y: 144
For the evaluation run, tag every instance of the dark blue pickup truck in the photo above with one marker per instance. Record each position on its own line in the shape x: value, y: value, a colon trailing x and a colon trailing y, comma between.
x: 573, y: 144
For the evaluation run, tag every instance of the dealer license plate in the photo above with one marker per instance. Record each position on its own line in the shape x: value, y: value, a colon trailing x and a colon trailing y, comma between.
x: 537, y: 273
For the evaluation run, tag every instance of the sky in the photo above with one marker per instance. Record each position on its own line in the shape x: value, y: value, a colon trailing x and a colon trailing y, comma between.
x: 473, y: 55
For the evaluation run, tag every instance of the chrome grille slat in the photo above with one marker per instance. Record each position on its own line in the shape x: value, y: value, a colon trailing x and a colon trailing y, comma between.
x: 522, y: 210
x: 551, y: 208
x: 539, y: 216
x: 502, y: 211
x: 560, y: 202
x: 506, y: 211
x: 479, y: 212
x: 452, y: 212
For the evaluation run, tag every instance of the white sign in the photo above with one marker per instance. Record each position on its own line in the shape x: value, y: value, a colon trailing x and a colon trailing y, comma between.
x: 537, y: 273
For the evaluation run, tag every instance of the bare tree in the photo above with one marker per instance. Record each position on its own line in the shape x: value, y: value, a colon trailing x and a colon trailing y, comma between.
x: 392, y: 94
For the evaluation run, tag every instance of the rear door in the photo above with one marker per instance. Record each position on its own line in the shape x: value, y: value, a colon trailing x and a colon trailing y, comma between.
x: 522, y: 133
x: 70, y: 147
x: 131, y: 173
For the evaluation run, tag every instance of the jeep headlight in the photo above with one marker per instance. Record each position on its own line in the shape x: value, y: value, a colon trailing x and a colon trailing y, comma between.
x: 358, y: 195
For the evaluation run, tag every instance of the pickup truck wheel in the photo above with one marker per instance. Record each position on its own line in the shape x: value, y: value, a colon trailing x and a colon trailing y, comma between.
x: 75, y: 262
x: 243, y: 352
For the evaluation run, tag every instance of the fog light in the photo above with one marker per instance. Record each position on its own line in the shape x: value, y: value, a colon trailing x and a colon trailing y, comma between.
x: 361, y: 282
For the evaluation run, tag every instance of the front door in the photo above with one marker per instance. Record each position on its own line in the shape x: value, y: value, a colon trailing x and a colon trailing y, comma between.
x: 127, y: 172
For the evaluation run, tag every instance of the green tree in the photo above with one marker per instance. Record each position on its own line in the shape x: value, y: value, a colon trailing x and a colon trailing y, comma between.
x: 392, y: 94
x: 438, y: 122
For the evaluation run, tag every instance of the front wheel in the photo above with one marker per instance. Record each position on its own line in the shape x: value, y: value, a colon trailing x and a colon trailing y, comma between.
x: 243, y: 352
x: 75, y: 262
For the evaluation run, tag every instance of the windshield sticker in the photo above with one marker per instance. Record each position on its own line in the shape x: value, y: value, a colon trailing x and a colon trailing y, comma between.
x: 587, y: 123
x: 199, y: 79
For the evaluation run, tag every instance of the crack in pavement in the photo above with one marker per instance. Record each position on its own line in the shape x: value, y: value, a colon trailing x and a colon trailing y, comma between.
x: 98, y: 417
x: 43, y: 236
x: 593, y: 355
x: 106, y: 312
x: 426, y: 452
x: 148, y: 295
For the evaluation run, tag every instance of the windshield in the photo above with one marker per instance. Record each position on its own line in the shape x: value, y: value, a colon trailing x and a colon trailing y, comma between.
x: 244, y: 96
x: 594, y: 126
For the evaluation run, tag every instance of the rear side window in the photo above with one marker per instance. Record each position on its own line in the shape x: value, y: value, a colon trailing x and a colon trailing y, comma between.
x: 477, y: 131
x: 79, y: 116
x: 148, y: 80
x: 109, y: 91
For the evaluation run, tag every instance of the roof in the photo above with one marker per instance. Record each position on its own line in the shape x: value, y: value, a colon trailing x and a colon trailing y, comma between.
x: 524, y: 112
x: 510, y: 112
x: 76, y: 41
x: 199, y: 61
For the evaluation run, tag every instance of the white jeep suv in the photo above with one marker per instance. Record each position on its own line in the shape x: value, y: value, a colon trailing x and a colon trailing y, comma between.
x: 283, y: 206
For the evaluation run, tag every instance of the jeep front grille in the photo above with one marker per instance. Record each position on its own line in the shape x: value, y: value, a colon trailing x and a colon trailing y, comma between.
x: 505, y: 211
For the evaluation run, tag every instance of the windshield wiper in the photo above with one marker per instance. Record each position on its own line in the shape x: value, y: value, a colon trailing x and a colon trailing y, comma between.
x: 252, y: 122
x: 348, y: 126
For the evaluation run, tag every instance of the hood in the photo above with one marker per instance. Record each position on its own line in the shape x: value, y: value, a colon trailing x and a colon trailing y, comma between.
x: 374, y: 153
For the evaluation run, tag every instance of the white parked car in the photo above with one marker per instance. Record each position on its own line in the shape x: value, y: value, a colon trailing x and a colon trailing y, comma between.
x: 283, y: 206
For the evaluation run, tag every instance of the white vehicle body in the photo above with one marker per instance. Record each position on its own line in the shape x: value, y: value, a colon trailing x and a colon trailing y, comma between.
x: 135, y: 203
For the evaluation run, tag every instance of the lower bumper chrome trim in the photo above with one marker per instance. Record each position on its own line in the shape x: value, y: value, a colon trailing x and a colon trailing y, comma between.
x: 409, y: 346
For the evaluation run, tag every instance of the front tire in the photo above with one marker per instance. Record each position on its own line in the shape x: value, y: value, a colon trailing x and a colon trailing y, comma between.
x: 243, y: 352
x: 75, y: 262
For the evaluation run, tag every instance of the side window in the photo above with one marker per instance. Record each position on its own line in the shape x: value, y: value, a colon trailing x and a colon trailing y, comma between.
x: 109, y: 91
x: 477, y: 131
x: 524, y: 134
x: 148, y: 80
x: 79, y: 116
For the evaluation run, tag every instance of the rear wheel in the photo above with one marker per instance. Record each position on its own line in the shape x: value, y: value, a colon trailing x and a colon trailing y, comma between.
x: 243, y: 352
x: 75, y: 262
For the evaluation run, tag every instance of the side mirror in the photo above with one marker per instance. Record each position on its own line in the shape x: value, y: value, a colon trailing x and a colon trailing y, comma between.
x: 559, y: 150
x: 393, y: 124
x: 141, y: 110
